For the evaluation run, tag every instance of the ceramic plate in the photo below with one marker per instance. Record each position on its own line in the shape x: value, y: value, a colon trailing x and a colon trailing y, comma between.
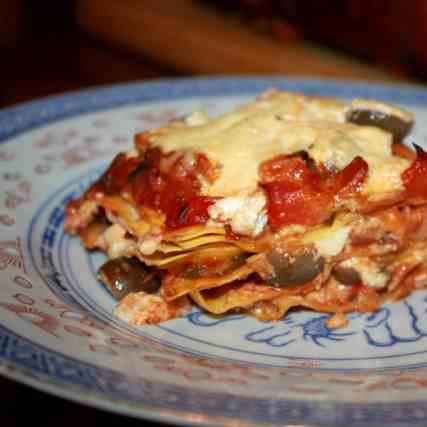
x: 57, y: 332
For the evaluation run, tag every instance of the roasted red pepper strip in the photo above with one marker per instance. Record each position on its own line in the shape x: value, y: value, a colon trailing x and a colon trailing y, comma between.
x: 298, y: 195
x: 289, y: 205
x: 415, y: 177
x: 350, y: 179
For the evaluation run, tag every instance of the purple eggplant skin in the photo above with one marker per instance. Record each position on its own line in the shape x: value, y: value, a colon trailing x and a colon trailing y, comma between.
x: 123, y: 275
x: 291, y: 270
x: 398, y: 127
x: 346, y: 275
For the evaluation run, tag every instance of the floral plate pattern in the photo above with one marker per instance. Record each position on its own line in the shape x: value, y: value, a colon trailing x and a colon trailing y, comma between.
x: 57, y: 332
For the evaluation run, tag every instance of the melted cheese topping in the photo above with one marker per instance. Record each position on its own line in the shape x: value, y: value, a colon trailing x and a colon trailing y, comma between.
x: 285, y: 123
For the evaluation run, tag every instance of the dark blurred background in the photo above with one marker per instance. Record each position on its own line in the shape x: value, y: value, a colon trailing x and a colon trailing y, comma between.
x: 53, y: 46
x: 45, y: 52
x: 391, y: 34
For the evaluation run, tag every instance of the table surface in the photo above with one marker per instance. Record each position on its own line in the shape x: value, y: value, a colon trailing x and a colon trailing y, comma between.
x: 46, y: 66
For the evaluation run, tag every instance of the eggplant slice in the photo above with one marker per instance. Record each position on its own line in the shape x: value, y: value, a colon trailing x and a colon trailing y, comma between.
x: 346, y: 275
x: 393, y: 124
x: 295, y: 269
x: 124, y: 275
x: 384, y: 116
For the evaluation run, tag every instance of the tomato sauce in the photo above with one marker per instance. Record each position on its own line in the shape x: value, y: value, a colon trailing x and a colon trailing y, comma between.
x: 116, y: 176
x: 175, y: 192
x: 111, y: 182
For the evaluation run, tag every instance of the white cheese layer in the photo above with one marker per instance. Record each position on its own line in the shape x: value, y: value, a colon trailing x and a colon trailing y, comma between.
x: 332, y: 245
x: 116, y: 242
x: 330, y: 240
x: 246, y: 215
x: 284, y: 123
x: 369, y: 272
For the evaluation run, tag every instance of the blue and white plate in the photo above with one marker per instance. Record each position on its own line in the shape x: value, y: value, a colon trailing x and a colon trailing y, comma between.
x: 57, y: 332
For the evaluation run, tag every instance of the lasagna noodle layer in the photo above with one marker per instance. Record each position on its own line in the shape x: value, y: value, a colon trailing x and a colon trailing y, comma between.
x: 200, y: 256
x: 272, y: 304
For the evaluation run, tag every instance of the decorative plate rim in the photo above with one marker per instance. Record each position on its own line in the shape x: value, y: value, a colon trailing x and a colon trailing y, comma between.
x: 28, y: 116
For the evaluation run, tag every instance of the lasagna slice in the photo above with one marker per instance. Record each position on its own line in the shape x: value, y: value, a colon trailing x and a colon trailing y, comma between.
x: 288, y: 201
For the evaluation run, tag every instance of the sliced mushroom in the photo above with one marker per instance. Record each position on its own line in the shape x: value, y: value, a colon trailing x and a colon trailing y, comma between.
x: 294, y: 269
x: 124, y: 275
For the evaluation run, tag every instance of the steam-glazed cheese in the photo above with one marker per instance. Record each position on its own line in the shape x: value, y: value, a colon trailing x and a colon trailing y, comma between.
x: 285, y: 123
